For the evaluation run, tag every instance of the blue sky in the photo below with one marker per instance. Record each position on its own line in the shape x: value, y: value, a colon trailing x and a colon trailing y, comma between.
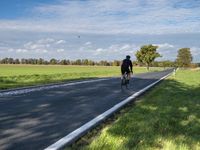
x: 108, y: 29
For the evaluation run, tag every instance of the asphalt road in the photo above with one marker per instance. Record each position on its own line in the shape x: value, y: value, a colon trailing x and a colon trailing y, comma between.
x: 37, y: 119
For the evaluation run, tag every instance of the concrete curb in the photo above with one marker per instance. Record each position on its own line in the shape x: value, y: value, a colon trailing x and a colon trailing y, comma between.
x: 71, y: 137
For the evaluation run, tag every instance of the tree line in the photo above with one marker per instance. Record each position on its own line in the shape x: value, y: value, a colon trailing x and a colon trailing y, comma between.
x: 145, y: 57
x: 53, y: 61
x: 85, y: 62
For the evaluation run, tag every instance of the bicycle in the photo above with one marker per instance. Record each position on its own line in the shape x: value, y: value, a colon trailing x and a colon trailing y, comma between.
x: 125, y: 80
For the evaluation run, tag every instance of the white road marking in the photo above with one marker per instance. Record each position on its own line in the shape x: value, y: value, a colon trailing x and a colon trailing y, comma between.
x: 81, y: 130
x: 33, y: 89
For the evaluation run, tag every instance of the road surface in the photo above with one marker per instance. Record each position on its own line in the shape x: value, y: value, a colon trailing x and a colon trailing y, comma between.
x: 35, y: 120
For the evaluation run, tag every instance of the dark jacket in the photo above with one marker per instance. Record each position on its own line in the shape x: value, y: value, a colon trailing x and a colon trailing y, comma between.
x: 126, y: 63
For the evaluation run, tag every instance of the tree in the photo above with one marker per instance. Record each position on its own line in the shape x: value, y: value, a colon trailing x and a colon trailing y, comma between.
x: 10, y: 61
x: 78, y: 62
x: 53, y: 61
x: 40, y: 61
x: 85, y: 62
x: 17, y: 61
x: 116, y: 63
x: 147, y: 54
x: 63, y: 62
x: 184, y: 57
x: 91, y: 63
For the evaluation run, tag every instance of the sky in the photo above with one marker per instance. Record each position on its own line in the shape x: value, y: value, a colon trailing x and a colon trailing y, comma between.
x: 97, y: 29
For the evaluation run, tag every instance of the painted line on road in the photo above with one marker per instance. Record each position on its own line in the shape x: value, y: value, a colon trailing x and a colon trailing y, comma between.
x: 68, y: 139
x: 33, y: 89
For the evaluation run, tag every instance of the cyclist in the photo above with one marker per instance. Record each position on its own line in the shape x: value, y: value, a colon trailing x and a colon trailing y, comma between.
x: 127, y: 67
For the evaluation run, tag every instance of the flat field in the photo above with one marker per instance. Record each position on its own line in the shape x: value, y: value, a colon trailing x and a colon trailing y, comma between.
x: 12, y: 76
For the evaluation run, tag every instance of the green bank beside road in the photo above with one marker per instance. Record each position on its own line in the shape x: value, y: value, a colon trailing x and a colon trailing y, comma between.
x: 12, y: 76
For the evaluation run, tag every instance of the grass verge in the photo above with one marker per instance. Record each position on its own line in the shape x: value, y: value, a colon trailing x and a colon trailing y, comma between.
x: 12, y: 76
x: 167, y: 117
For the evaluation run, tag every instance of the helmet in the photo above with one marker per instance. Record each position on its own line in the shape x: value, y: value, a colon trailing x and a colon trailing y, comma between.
x: 128, y: 57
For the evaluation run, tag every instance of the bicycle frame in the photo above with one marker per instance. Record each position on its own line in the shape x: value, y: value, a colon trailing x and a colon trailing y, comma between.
x: 124, y: 80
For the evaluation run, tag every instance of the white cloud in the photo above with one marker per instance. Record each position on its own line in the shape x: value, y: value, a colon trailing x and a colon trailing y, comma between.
x: 39, y: 44
x: 44, y: 45
x: 34, y: 46
x: 21, y: 50
x: 88, y: 43
x: 195, y: 51
x: 116, y: 51
x: 10, y: 50
x: 46, y: 41
x: 110, y: 17
x: 41, y: 51
x: 164, y: 46
x: 60, y: 50
x: 167, y: 51
x: 125, y: 47
x: 60, y: 42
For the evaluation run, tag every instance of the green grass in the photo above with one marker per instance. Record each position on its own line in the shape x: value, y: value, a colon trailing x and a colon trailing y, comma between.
x: 23, y: 75
x: 167, y: 117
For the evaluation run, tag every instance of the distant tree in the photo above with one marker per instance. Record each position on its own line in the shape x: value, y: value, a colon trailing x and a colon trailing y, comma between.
x: 45, y: 62
x: 78, y: 62
x: 105, y: 63
x: 184, y: 57
x: 193, y: 65
x: 147, y: 54
x: 84, y: 62
x: 135, y: 63
x: 102, y: 63
x: 30, y: 61
x: 116, y: 63
x: 17, y: 61
x: 10, y: 61
x: 91, y: 63
x: 63, y: 62
x: 40, y: 61
x: 67, y: 62
x: 4, y: 61
x: 23, y: 61
x: 53, y: 61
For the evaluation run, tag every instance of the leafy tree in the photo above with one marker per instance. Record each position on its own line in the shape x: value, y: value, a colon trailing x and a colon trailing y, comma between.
x: 116, y: 63
x: 53, y: 61
x: 10, y: 61
x: 78, y: 62
x: 147, y: 54
x: 184, y: 57
x: 91, y: 63
x: 17, y: 61
x: 135, y: 63
x: 4, y: 61
x: 40, y: 61
x: 63, y: 62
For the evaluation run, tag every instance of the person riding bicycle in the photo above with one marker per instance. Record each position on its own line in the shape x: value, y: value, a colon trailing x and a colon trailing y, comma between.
x: 127, y: 67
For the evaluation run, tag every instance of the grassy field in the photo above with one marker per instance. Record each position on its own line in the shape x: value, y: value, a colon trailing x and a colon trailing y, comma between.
x: 167, y: 117
x: 23, y: 75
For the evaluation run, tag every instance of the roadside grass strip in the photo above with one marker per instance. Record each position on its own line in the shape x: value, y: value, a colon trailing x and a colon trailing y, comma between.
x: 12, y: 76
x: 47, y: 87
x: 167, y: 117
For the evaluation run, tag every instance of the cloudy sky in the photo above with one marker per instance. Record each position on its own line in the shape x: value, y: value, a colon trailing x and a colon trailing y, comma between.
x: 97, y: 29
